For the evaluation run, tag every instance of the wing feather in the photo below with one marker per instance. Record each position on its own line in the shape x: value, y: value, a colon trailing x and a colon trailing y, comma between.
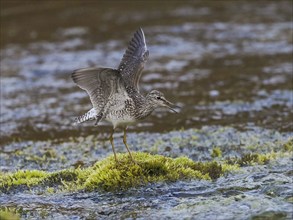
x: 99, y: 83
x: 134, y: 59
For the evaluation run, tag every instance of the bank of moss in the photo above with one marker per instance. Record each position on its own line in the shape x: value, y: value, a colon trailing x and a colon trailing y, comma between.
x: 6, y: 214
x: 250, y: 159
x: 110, y: 176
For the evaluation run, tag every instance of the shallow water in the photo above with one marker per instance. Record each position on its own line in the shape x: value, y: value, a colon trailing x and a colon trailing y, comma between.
x: 253, y: 191
x: 225, y: 63
x: 220, y: 67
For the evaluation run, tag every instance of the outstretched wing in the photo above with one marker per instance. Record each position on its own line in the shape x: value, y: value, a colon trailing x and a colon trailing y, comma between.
x: 134, y: 59
x: 100, y: 83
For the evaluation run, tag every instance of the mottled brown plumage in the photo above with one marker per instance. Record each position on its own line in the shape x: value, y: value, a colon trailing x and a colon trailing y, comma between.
x: 114, y: 93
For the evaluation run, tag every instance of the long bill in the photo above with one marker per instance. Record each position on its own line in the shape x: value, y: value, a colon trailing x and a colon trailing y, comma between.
x: 171, y: 106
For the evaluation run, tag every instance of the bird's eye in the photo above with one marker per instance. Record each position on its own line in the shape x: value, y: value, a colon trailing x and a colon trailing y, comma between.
x: 158, y: 97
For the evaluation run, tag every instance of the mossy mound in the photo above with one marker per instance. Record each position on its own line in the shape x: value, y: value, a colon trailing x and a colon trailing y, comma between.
x: 9, y: 214
x: 6, y: 215
x: 110, y: 176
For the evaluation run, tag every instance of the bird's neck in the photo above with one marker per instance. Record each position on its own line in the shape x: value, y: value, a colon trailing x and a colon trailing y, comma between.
x: 145, y: 109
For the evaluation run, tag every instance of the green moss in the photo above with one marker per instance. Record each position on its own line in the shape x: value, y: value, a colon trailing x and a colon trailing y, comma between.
x: 7, y: 214
x: 56, y: 178
x: 226, y: 167
x: 21, y: 177
x: 150, y: 168
x: 288, y: 146
x: 50, y: 190
x: 216, y: 152
x: 253, y: 159
x: 110, y: 176
x: 51, y: 153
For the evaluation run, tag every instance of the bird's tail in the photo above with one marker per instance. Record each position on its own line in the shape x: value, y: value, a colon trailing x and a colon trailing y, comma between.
x: 90, y: 115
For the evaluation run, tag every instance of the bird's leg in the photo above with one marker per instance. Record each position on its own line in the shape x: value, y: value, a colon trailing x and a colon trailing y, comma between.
x: 125, y: 143
x: 112, y: 143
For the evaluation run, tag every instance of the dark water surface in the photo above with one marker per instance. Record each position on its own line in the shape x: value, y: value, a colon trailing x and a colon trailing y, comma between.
x: 226, y: 63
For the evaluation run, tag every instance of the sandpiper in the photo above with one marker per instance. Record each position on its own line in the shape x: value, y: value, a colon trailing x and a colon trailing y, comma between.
x: 114, y: 93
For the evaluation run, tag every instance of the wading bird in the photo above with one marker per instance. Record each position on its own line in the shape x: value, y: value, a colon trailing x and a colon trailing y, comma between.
x: 114, y: 93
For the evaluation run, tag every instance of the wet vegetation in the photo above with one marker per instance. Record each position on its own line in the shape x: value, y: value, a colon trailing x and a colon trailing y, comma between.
x: 219, y: 174
x: 6, y: 214
x: 111, y: 176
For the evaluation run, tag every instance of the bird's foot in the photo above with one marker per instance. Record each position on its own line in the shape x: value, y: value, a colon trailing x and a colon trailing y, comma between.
x: 133, y: 161
x: 118, y: 163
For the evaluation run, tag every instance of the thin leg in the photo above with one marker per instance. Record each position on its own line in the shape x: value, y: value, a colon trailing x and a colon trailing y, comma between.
x: 112, y: 143
x: 125, y: 143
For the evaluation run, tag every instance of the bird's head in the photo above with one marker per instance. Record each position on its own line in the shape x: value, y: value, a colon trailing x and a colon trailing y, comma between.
x: 158, y: 99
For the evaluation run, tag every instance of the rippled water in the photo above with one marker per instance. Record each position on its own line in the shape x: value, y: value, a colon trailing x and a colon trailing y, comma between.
x: 226, y: 63
x: 221, y: 67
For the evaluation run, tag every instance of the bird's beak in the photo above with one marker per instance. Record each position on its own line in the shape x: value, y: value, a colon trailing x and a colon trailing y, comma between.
x: 171, y: 106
